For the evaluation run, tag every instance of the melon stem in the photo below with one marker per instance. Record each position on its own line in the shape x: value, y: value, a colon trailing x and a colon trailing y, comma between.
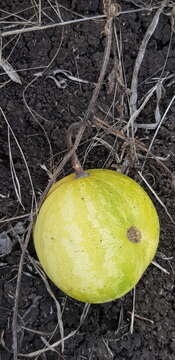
x: 77, y: 167
x: 79, y: 172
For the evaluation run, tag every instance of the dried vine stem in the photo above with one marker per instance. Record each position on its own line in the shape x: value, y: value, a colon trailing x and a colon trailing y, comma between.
x: 138, y: 62
x: 17, y: 292
x: 110, y: 11
x: 75, y: 161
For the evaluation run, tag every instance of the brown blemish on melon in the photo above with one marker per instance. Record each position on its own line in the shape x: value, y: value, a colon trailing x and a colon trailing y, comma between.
x: 134, y: 234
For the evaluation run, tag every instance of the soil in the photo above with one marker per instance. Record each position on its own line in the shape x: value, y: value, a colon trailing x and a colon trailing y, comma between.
x: 33, y: 132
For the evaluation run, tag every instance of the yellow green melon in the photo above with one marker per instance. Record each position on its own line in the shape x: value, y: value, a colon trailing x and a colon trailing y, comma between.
x: 96, y: 235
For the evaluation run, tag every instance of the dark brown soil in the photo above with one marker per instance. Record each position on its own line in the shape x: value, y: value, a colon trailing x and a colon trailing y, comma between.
x: 41, y: 133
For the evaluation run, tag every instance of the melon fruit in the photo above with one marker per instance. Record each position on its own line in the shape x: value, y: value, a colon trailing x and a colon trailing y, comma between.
x: 95, y: 235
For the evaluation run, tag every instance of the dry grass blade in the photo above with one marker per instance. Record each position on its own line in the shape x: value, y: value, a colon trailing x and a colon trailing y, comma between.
x: 39, y: 12
x: 17, y: 292
x: 108, y: 31
x: 137, y: 112
x: 157, y: 114
x: 56, y: 9
x: 59, y: 314
x: 15, y: 180
x: 35, y: 115
x: 120, y: 320
x: 16, y: 15
x: 158, y: 128
x: 10, y: 71
x: 133, y: 311
x: 69, y: 22
x: 22, y: 155
x: 84, y: 313
x: 157, y: 197
x: 69, y: 75
x: 160, y: 267
x: 50, y: 26
x: 8, y: 220
x: 141, y: 317
x: 46, y: 343
x: 109, y: 351
x: 140, y: 56
x: 37, y: 332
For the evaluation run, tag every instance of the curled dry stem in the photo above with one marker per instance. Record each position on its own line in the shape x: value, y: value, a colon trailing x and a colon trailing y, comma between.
x: 110, y: 10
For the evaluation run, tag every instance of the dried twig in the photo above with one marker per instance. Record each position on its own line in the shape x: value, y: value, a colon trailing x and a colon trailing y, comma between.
x: 14, y: 218
x: 160, y: 267
x: 69, y: 22
x: 108, y: 31
x: 14, y: 176
x: 141, y: 317
x: 17, y: 292
x: 22, y: 155
x: 50, y: 26
x: 139, y: 59
x: 133, y: 311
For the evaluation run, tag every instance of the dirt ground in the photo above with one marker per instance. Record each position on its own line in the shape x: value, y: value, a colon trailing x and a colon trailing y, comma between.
x: 35, y: 116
